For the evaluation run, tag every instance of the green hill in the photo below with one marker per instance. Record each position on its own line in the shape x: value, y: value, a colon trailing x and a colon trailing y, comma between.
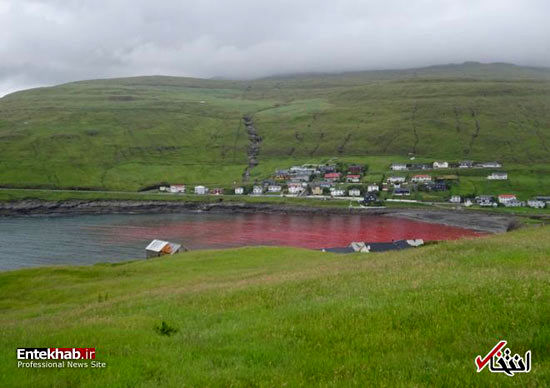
x: 130, y: 133
x: 288, y: 317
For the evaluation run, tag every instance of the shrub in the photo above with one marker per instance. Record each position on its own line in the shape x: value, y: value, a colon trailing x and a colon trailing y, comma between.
x: 165, y: 329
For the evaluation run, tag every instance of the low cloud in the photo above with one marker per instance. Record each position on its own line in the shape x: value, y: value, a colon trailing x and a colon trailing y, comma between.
x: 46, y: 42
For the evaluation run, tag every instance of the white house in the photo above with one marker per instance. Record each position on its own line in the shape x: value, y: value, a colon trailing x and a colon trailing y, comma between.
x: 455, y: 199
x: 177, y: 188
x: 201, y: 190
x: 299, y: 170
x: 353, y: 178
x: 421, y: 178
x: 257, y: 190
x: 396, y: 179
x: 466, y: 164
x: 239, y: 190
x: 354, y: 192
x: 440, y: 164
x: 489, y: 165
x: 398, y: 167
x: 373, y: 187
x: 501, y: 176
x: 274, y: 188
x: 337, y: 193
x: 295, y: 188
x: 514, y: 203
x: 504, y: 198
x: 536, y: 203
x: 485, y: 200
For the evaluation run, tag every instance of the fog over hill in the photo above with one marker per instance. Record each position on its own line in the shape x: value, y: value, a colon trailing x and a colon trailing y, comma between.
x: 51, y: 42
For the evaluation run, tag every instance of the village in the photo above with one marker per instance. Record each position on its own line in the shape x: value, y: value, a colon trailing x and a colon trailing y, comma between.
x: 401, y: 183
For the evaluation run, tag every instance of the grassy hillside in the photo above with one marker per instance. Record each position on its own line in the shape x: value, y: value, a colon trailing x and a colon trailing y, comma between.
x: 133, y: 132
x: 289, y: 317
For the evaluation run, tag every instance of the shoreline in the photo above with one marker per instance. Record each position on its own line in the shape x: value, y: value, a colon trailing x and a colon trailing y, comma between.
x: 474, y: 220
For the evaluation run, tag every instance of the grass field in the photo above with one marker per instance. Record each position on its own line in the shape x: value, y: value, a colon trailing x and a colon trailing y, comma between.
x: 129, y: 133
x: 288, y: 317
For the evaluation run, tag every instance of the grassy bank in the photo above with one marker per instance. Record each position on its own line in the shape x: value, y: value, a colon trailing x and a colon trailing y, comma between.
x: 61, y: 195
x: 282, y: 316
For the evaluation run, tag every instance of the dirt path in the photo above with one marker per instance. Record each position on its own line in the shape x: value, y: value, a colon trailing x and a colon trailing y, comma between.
x: 253, y: 149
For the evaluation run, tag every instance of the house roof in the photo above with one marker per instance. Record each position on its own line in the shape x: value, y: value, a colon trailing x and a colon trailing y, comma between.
x: 507, y: 196
x: 158, y: 245
x: 332, y: 175
x: 422, y: 176
x: 354, y: 176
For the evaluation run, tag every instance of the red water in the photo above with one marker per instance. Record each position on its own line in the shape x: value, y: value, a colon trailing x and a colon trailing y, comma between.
x: 200, y: 231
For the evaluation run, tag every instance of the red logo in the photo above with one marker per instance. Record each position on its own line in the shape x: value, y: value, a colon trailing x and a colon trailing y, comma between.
x: 501, y: 361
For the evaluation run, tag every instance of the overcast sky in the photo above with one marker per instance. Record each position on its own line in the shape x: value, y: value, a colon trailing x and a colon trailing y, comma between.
x: 46, y: 42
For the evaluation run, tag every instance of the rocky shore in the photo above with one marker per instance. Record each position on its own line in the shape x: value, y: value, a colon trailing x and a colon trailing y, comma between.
x: 479, y: 221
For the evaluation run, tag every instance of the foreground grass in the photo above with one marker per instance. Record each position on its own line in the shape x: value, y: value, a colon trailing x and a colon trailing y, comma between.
x: 282, y: 316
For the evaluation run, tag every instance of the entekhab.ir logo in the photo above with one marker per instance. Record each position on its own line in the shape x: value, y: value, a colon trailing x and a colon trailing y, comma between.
x: 500, y: 360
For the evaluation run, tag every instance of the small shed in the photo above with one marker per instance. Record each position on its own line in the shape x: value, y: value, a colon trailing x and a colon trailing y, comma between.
x: 158, y: 248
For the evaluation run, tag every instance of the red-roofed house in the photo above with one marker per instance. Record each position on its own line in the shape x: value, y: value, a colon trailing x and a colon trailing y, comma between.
x: 332, y: 176
x: 421, y: 178
x: 504, y: 198
x: 177, y: 188
x: 353, y: 178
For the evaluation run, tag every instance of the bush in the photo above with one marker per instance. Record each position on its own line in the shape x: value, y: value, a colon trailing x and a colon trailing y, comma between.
x: 165, y: 329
